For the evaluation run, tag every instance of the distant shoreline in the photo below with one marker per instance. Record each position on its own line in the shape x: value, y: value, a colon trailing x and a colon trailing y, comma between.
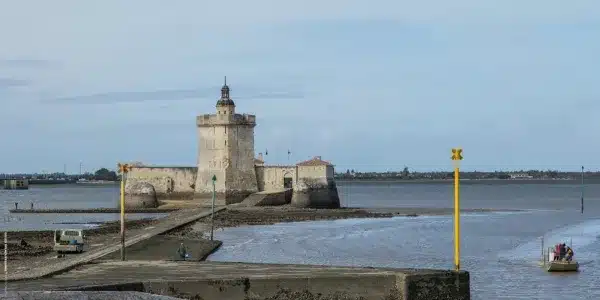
x: 72, y: 183
x: 469, y: 181
x: 464, y: 181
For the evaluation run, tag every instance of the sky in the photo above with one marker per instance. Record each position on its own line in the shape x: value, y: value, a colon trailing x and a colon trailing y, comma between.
x: 368, y: 85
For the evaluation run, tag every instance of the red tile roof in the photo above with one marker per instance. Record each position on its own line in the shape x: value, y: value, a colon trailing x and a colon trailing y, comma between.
x: 315, y: 161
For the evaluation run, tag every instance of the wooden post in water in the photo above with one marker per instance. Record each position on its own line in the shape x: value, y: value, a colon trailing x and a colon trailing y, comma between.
x: 5, y: 262
x: 581, y: 189
x: 543, y: 256
x: 123, y: 168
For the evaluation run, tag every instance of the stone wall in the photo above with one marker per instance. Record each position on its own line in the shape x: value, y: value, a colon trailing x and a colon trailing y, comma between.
x: 226, y: 150
x: 396, y: 284
x: 434, y: 284
x: 315, y: 172
x: 171, y: 183
x: 140, y: 195
x: 268, y: 198
x: 212, y: 159
x: 315, y: 188
x: 315, y: 193
x: 271, y: 178
x: 241, y: 175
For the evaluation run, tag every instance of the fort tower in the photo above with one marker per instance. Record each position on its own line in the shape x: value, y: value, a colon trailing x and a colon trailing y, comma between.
x: 226, y: 150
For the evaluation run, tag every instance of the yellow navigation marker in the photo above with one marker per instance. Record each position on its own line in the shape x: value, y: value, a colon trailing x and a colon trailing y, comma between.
x: 456, y: 157
x: 123, y: 169
x: 457, y: 154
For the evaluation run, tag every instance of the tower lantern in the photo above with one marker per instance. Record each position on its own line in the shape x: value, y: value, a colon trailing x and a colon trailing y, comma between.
x: 225, y: 105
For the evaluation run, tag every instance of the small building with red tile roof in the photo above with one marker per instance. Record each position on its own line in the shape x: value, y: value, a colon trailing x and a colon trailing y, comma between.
x: 314, y: 162
x: 315, y: 168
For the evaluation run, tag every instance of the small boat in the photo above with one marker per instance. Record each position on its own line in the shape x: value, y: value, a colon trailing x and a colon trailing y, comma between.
x: 559, y: 265
x: 562, y: 266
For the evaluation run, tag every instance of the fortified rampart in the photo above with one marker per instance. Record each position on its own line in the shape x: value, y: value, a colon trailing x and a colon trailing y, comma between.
x: 315, y: 186
x: 226, y: 151
x: 273, y: 178
x: 210, y: 120
x: 170, y: 182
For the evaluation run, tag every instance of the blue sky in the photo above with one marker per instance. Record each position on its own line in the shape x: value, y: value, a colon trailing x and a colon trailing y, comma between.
x: 369, y: 85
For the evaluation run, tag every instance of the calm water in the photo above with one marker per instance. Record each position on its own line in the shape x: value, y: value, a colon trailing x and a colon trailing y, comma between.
x: 501, y: 250
x: 60, y: 196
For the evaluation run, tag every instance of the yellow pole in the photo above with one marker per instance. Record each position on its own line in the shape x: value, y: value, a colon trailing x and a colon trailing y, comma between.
x: 456, y: 219
x: 122, y: 216
x: 457, y: 157
x: 123, y: 169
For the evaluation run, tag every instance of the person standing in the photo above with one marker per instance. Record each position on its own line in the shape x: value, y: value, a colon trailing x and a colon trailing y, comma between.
x: 569, y: 253
x: 563, y: 251
x: 182, y: 251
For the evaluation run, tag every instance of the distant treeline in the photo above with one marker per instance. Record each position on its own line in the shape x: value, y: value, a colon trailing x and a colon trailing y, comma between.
x: 108, y: 175
x: 54, y: 178
x: 407, y: 175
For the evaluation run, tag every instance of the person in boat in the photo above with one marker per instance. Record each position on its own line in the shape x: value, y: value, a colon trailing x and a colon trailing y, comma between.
x: 563, y: 251
x: 569, y: 256
x: 557, y: 252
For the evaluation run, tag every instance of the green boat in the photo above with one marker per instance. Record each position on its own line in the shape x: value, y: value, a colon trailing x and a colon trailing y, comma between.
x: 562, y: 266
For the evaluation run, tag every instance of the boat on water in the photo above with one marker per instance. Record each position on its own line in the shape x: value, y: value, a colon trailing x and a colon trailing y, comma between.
x: 562, y: 266
x: 554, y: 262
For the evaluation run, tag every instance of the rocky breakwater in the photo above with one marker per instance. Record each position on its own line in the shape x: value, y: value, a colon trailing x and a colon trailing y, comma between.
x: 315, y: 193
x: 140, y: 195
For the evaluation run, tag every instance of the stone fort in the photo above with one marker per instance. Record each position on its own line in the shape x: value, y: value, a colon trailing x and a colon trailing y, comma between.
x: 226, y: 151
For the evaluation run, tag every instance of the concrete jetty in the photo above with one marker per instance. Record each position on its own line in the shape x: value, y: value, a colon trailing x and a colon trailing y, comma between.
x: 61, y: 295
x: 213, y: 280
x: 171, y: 222
x: 91, y: 210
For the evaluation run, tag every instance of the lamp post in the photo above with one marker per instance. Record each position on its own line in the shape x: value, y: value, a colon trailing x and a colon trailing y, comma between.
x: 212, y: 215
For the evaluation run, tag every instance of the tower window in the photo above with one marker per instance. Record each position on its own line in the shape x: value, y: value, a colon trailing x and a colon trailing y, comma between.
x: 225, y: 143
